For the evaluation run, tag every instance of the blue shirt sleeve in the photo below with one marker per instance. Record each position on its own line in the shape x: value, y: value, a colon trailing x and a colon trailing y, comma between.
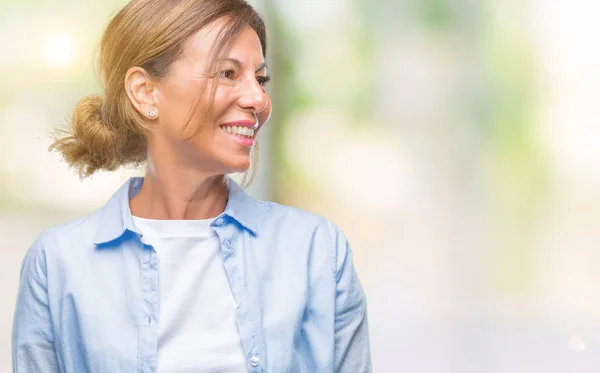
x: 352, y: 351
x: 32, y: 337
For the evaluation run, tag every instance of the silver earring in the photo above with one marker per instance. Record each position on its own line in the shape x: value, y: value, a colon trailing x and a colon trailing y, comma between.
x: 152, y: 114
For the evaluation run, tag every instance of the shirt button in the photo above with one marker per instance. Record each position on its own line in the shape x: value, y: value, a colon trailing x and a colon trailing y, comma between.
x: 227, y: 244
x: 219, y: 221
x: 254, y: 361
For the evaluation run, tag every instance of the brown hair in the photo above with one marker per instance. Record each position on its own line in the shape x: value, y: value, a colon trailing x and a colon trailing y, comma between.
x: 107, y: 132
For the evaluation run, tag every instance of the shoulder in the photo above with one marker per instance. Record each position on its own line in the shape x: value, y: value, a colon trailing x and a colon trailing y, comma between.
x: 284, y: 216
x: 56, y: 242
x: 294, y: 224
x: 65, y: 236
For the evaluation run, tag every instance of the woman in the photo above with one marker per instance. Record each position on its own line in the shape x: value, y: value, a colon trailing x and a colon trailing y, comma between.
x: 182, y: 271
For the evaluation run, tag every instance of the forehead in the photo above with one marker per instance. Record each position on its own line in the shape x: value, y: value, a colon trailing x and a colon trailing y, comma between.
x: 246, y: 47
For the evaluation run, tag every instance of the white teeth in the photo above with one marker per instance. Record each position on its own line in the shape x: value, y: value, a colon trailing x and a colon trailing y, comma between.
x: 239, y: 130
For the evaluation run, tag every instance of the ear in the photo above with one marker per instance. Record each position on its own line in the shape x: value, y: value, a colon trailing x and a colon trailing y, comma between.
x: 142, y: 91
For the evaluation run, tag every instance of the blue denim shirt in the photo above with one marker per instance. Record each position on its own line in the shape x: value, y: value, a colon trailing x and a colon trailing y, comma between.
x: 88, y: 295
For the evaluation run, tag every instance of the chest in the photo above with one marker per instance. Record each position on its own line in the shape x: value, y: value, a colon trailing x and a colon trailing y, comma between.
x: 113, y: 313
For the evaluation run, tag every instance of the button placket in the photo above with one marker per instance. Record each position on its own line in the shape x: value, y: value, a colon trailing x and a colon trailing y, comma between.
x: 149, y: 291
x: 252, y: 342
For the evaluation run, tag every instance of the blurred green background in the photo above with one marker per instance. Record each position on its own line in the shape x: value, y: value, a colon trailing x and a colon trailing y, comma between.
x: 456, y: 143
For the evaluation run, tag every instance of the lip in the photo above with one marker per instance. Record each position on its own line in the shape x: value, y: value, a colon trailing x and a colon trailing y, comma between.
x: 244, y: 141
x: 247, y: 142
x: 241, y: 123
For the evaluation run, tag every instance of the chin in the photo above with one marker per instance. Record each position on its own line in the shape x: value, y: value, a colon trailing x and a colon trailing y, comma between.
x: 241, y: 164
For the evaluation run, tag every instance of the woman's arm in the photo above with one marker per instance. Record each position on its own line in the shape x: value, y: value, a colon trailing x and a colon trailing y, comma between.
x: 32, y: 337
x: 352, y: 352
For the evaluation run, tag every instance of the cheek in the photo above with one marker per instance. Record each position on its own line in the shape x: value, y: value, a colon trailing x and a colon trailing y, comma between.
x: 177, y: 100
x: 222, y: 101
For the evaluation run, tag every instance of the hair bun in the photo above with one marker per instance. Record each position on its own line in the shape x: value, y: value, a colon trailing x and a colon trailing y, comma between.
x: 91, y: 145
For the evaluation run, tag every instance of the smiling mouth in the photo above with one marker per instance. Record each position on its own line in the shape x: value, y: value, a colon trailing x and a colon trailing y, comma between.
x: 246, y: 132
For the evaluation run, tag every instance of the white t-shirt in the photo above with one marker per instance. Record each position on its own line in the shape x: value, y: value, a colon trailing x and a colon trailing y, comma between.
x: 197, y: 327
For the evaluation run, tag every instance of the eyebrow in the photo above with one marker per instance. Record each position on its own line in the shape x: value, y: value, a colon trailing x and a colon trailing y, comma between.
x: 239, y: 65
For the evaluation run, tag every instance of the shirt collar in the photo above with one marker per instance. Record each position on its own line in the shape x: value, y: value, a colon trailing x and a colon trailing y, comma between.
x: 116, y: 216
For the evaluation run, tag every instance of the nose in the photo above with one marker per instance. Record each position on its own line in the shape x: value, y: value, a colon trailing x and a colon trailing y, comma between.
x: 253, y: 97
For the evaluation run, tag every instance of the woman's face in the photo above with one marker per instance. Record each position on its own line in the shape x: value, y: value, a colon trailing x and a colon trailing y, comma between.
x: 241, y: 105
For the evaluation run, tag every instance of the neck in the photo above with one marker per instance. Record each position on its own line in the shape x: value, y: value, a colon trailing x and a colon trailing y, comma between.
x: 172, y: 192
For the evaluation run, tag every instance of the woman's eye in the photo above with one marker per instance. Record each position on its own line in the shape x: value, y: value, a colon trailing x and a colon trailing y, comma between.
x: 228, y: 74
x: 263, y: 80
